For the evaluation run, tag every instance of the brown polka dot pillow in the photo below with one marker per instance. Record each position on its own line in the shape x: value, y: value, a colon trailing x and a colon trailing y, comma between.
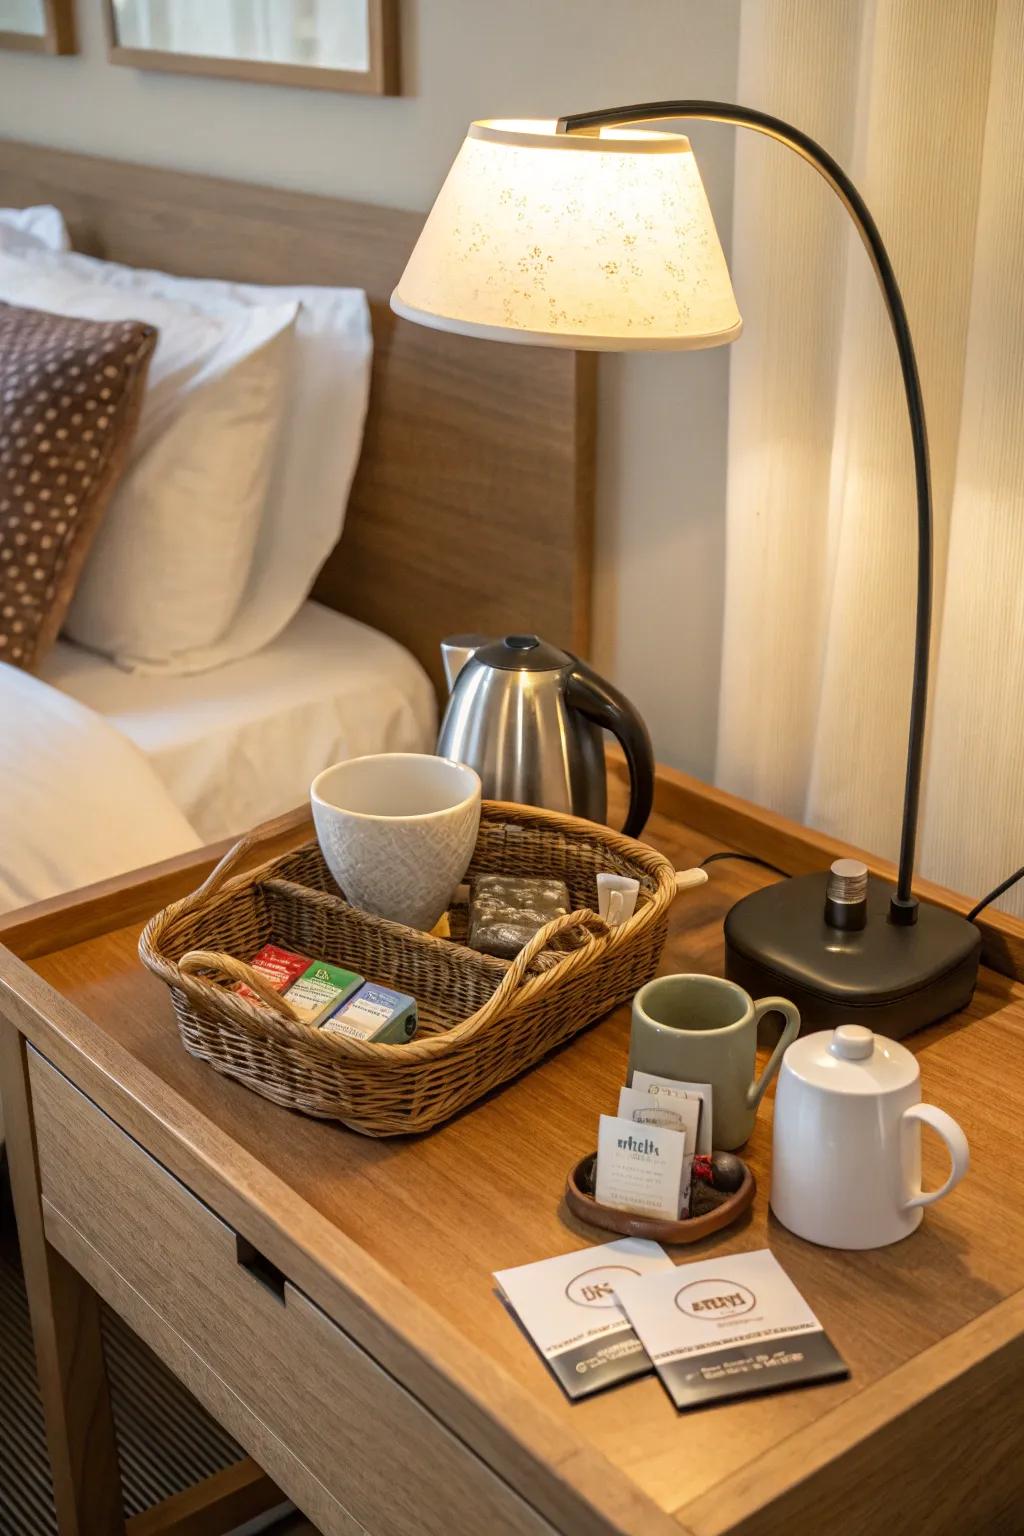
x: 70, y: 393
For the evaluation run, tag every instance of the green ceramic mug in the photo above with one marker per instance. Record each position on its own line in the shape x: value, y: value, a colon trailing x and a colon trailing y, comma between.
x: 701, y: 1029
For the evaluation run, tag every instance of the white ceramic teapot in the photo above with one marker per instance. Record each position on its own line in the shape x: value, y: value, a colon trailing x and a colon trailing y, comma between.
x: 846, y: 1154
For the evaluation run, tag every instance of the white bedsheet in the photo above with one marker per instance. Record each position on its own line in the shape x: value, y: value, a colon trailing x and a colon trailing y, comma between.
x: 241, y: 743
x: 78, y: 802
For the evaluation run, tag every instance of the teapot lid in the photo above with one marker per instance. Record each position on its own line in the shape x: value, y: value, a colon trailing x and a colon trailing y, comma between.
x: 851, y: 1059
x: 523, y: 653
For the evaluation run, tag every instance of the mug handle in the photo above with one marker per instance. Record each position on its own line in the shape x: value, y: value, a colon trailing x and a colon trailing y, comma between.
x: 956, y: 1145
x: 755, y: 1093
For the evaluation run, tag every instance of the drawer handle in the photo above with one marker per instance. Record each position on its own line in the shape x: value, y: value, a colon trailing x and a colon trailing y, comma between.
x: 259, y: 1266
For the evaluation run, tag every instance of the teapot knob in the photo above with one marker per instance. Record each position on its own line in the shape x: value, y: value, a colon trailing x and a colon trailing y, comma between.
x: 851, y: 1042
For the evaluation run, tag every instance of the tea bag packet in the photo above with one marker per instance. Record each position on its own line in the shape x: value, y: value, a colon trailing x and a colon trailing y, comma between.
x: 277, y: 967
x: 616, y: 898
x: 728, y: 1327
x: 568, y: 1307
x: 375, y: 1013
x: 645, y: 1169
x: 321, y: 990
x: 666, y: 1090
x: 675, y: 1114
x: 505, y: 911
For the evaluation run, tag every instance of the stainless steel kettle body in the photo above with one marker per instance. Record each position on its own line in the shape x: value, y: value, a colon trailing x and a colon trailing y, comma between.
x: 528, y: 717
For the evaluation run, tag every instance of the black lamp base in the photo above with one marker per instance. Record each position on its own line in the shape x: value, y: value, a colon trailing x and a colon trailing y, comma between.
x: 892, y: 978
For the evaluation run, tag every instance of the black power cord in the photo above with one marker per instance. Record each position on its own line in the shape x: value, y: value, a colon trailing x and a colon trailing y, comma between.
x: 1004, y: 885
x: 748, y: 858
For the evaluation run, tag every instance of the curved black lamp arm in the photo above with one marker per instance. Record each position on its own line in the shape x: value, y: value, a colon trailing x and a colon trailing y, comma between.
x: 903, y: 908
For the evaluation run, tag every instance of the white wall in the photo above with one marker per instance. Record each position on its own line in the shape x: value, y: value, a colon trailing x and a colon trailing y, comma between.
x: 660, y: 545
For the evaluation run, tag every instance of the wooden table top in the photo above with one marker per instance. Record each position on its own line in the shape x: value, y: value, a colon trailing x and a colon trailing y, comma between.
x: 441, y: 1212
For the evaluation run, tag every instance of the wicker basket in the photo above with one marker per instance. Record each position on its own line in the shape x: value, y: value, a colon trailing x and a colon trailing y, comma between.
x: 482, y: 1020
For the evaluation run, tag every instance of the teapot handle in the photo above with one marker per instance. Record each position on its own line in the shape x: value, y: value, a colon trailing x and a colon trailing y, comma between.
x: 596, y: 698
x: 956, y: 1143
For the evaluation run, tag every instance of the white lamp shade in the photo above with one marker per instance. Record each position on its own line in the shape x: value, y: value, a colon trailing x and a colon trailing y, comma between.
x: 593, y: 242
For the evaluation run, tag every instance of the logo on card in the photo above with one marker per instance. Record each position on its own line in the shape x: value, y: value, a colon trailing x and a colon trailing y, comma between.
x: 638, y: 1146
x: 596, y: 1287
x: 660, y: 1115
x: 712, y: 1301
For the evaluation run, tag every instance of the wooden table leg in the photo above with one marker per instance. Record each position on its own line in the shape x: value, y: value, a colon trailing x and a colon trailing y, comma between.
x: 66, y: 1328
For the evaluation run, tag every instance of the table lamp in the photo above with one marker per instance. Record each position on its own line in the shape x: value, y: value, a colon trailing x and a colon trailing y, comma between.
x: 593, y: 233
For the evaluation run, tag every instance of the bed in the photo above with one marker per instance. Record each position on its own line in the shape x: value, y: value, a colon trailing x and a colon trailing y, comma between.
x: 471, y: 510
x: 241, y: 743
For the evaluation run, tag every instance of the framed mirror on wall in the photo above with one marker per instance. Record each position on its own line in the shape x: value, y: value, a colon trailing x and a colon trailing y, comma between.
x: 329, y: 45
x: 38, y: 26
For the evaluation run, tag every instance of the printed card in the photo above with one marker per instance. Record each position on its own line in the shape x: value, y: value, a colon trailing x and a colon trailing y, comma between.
x: 728, y: 1327
x: 568, y: 1307
x: 660, y: 1087
x: 672, y: 1114
x: 642, y: 1168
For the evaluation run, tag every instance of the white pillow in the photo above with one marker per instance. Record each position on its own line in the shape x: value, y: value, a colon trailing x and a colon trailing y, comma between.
x: 172, y: 557
x: 33, y: 226
x: 319, y: 445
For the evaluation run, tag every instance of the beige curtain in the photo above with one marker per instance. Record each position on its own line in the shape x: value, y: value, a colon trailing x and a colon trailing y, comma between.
x: 924, y: 104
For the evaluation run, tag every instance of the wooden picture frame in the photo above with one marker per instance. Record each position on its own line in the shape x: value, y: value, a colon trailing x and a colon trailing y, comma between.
x: 58, y: 36
x: 381, y: 77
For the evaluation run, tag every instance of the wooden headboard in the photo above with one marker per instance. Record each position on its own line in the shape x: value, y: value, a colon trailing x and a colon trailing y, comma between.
x: 472, y: 507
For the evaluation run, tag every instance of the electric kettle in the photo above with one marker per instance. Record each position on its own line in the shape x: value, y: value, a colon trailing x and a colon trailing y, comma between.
x: 846, y: 1145
x: 528, y: 717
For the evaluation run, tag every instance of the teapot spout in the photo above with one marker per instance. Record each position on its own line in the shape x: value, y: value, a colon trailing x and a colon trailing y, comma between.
x: 456, y: 650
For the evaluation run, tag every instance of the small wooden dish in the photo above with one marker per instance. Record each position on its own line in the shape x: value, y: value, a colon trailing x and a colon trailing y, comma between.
x: 628, y: 1224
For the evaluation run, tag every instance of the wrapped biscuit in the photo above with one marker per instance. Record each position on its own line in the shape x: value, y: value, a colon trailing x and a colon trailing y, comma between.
x: 505, y: 911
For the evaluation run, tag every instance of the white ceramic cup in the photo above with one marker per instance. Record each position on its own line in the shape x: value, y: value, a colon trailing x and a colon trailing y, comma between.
x: 397, y: 831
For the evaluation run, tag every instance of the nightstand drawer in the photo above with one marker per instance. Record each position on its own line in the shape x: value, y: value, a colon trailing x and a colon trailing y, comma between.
x: 386, y: 1460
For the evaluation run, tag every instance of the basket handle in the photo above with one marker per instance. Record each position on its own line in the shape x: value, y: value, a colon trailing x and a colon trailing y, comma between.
x: 687, y: 879
x: 237, y: 854
x: 212, y: 960
x: 516, y: 972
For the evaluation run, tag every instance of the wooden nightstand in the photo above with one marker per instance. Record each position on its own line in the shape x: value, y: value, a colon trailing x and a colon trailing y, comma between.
x: 328, y: 1297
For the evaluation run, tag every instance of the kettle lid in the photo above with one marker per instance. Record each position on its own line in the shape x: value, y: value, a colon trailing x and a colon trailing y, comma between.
x: 851, y: 1059
x: 523, y: 653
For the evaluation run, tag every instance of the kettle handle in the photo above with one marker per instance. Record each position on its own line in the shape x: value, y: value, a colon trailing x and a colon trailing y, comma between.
x: 596, y: 698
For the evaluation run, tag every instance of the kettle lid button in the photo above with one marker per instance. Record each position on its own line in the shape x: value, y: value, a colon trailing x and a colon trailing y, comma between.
x: 851, y: 1042
x: 522, y: 642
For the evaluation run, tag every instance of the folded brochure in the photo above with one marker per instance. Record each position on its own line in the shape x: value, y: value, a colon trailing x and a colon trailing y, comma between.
x: 568, y: 1307
x: 728, y: 1327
